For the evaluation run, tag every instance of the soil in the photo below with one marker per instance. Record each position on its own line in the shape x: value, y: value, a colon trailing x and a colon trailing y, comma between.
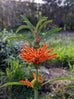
x: 52, y: 73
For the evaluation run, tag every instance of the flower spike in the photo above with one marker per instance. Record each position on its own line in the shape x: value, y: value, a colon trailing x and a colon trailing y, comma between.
x: 36, y: 56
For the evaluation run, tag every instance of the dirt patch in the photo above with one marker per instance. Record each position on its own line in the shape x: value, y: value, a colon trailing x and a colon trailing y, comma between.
x: 55, y: 73
x: 52, y: 74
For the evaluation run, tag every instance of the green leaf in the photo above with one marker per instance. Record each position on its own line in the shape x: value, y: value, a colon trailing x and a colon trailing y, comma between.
x: 70, y: 67
x: 56, y: 79
x: 44, y: 24
x: 40, y: 21
x: 23, y: 38
x: 12, y: 83
x: 71, y: 86
x: 27, y: 21
x: 23, y: 27
x: 51, y: 31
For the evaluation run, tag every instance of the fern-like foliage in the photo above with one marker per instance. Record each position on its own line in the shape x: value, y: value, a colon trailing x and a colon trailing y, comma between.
x: 35, y: 30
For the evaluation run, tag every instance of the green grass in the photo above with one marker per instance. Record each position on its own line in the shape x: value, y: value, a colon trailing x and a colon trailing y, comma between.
x: 63, y: 44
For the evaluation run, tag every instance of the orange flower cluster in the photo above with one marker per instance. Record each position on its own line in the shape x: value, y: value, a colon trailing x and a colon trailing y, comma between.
x: 28, y: 83
x: 36, y: 56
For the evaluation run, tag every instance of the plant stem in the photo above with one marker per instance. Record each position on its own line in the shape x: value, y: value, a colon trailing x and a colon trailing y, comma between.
x: 37, y: 74
x: 36, y: 90
x: 10, y: 93
x: 35, y: 94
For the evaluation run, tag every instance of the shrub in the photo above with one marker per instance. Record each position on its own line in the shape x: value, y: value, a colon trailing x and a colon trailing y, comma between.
x: 7, y: 48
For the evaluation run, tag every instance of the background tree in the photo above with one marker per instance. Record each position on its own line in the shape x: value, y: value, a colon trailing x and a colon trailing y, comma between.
x: 69, y: 2
x: 10, y: 12
x: 70, y: 21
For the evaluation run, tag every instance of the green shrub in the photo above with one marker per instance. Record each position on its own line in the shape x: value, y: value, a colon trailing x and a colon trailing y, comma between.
x: 7, y: 48
x: 16, y: 72
x: 63, y: 45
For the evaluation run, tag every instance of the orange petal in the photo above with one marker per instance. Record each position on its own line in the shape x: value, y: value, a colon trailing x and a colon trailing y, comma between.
x: 40, y: 79
x: 21, y: 81
x: 34, y: 75
x: 27, y: 46
x: 20, y: 54
x: 49, y: 50
x: 22, y: 51
x: 26, y: 80
x: 37, y: 62
x: 44, y: 47
x: 39, y: 39
x: 54, y: 54
x: 30, y: 84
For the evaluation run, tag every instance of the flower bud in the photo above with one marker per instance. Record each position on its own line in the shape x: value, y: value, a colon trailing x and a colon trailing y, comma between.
x: 36, y: 84
x: 36, y: 44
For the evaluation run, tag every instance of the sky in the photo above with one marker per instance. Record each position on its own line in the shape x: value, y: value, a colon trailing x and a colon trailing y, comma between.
x: 37, y: 1
x: 40, y: 1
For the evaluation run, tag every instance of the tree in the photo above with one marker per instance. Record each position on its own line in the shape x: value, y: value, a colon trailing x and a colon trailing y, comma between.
x: 69, y: 2
x: 69, y: 21
x: 53, y: 1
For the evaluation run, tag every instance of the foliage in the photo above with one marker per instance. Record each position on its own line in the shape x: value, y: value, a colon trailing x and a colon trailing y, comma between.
x: 68, y: 2
x: 71, y: 90
x: 63, y: 45
x: 10, y: 12
x: 1, y: 74
x: 17, y: 71
x: 35, y: 30
x: 69, y: 21
x: 7, y: 48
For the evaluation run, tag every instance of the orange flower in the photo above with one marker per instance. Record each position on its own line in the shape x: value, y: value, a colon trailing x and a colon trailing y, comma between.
x: 38, y: 39
x: 28, y: 83
x: 34, y: 75
x: 36, y: 56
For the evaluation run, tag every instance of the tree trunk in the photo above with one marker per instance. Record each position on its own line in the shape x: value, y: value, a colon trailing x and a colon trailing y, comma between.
x: 10, y: 12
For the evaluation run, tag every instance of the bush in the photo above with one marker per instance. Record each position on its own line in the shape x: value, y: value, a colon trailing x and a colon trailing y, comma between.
x: 7, y: 48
